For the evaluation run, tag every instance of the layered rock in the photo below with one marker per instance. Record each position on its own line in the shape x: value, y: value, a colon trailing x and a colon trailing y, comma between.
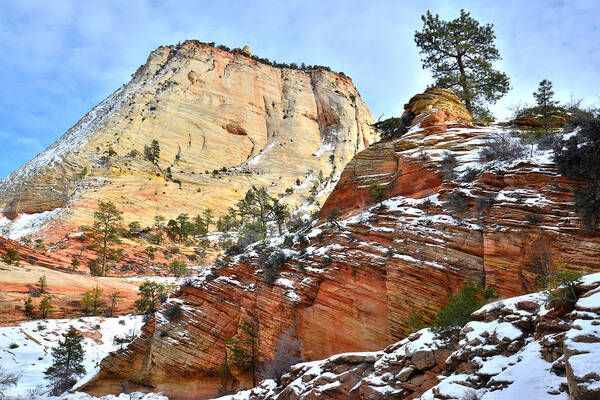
x: 351, y: 282
x: 65, y: 286
x: 524, y: 347
x: 224, y: 122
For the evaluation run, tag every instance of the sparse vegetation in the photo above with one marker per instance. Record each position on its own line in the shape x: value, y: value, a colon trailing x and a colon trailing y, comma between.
x: 12, y: 256
x: 502, y: 148
x: 178, y: 267
x: 448, y: 166
x: 377, y: 192
x: 286, y: 354
x: 561, y: 284
x: 415, y: 322
x: 579, y: 157
x: 451, y: 318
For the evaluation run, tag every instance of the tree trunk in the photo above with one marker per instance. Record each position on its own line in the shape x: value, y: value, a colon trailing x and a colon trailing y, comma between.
x: 465, y: 86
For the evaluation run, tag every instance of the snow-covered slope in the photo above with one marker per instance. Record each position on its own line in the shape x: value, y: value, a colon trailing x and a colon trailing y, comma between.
x: 25, y: 349
x: 524, y: 347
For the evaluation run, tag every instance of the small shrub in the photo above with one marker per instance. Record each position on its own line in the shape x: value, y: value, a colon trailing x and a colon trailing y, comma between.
x: 457, y: 201
x: 13, y: 346
x: 469, y: 175
x: 483, y: 203
x: 11, y: 256
x: 534, y: 219
x: 587, y: 204
x: 286, y: 354
x: 561, y: 284
x: 448, y: 166
x: 502, y: 148
x: 270, y: 275
x: 415, y: 322
x: 451, y: 318
x: 174, y: 313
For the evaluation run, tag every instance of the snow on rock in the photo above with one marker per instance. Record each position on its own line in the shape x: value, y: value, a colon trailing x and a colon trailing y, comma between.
x: 26, y: 224
x: 25, y: 349
x: 121, y: 396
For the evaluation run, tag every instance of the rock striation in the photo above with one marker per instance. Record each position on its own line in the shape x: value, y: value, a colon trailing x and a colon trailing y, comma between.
x: 224, y: 122
x: 523, y: 347
x: 350, y: 282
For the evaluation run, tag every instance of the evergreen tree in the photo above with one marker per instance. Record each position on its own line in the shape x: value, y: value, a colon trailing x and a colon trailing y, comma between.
x: 543, y: 96
x: 257, y: 206
x: 42, y: 283
x: 106, y: 228
x: 11, y: 256
x: 460, y: 54
x: 151, y: 295
x: 546, y: 105
x: 28, y: 306
x: 45, y: 306
x: 75, y: 263
x: 92, y: 301
x: 178, y: 268
x: 152, y: 152
x: 114, y: 297
x: 377, y: 191
x: 67, y: 363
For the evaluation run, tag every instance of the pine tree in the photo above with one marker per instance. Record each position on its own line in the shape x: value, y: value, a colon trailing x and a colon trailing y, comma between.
x: 45, y: 306
x: 114, y: 297
x: 28, y: 304
x: 152, y: 152
x: 92, y: 301
x: 257, y: 206
x: 42, y: 283
x: 106, y: 221
x: 460, y: 54
x: 377, y: 191
x: 543, y: 97
x: 67, y: 363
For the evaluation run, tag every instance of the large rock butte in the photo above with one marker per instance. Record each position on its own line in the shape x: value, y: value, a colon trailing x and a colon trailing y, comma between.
x: 350, y: 285
x: 224, y: 122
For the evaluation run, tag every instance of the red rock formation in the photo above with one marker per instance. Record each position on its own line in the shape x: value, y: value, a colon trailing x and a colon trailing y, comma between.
x: 354, y: 284
x: 507, y: 349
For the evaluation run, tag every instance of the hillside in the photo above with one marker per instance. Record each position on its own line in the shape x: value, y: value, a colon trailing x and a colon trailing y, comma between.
x: 224, y: 122
x: 350, y: 282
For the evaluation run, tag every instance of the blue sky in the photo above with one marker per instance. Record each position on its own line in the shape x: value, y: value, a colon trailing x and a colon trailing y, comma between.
x: 60, y: 58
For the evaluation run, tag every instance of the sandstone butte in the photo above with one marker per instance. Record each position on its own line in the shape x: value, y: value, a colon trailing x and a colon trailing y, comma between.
x: 224, y: 122
x: 352, y: 287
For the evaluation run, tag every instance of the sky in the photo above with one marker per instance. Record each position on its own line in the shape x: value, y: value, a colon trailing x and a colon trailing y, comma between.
x: 60, y: 58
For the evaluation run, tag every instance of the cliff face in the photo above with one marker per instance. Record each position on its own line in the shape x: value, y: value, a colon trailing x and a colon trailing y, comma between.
x: 522, y: 347
x: 351, y: 282
x: 223, y: 122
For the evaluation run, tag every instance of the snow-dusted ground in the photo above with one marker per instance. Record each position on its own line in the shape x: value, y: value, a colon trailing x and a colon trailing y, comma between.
x: 25, y: 349
x: 25, y: 224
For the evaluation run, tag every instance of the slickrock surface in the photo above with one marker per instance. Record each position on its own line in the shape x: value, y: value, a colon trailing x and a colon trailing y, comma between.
x: 350, y: 285
x: 210, y: 110
x: 66, y: 290
x: 523, y: 347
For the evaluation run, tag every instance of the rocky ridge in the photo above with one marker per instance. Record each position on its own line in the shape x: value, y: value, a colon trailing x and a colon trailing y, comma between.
x: 522, y: 347
x: 224, y: 122
x: 350, y: 284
